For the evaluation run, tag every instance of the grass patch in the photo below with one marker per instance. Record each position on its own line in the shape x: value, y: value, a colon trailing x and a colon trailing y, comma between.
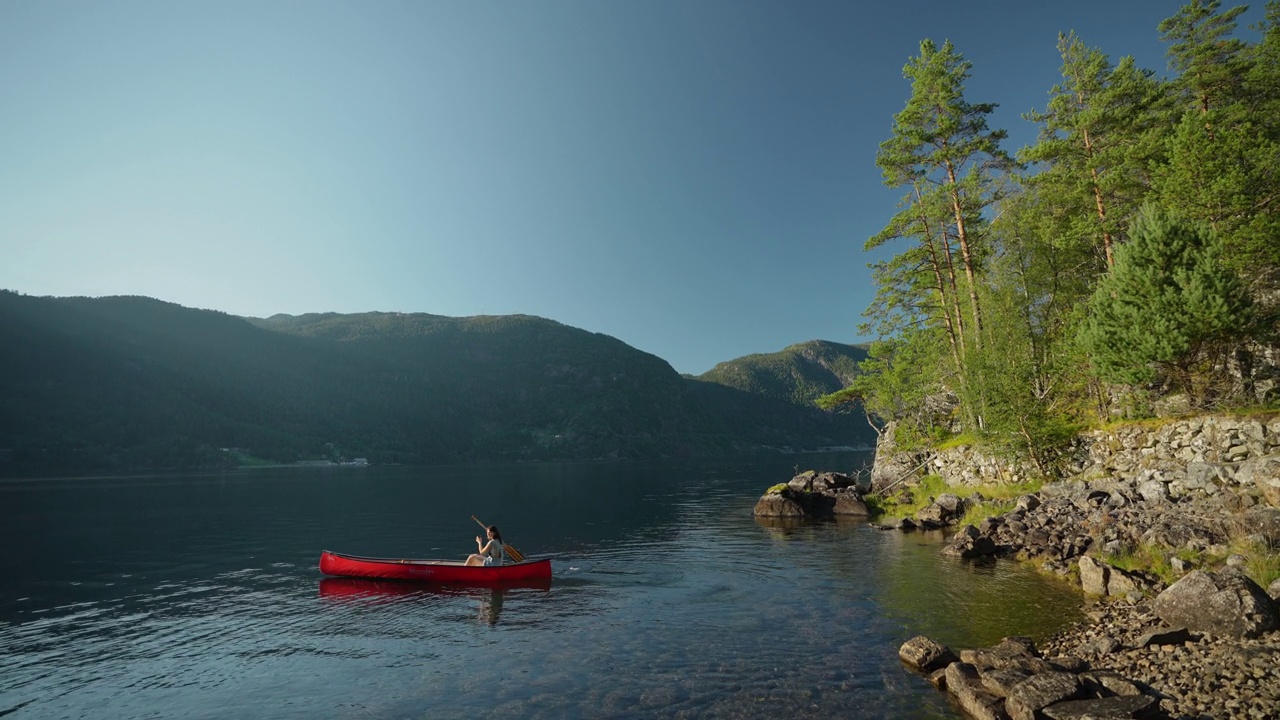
x: 1262, y: 413
x: 961, y: 440
x: 1146, y: 557
x: 1262, y: 562
x: 776, y: 489
x: 999, y: 499
x: 986, y: 509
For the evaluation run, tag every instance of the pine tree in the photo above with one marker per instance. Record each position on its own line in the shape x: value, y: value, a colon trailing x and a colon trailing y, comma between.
x: 1211, y: 64
x: 942, y: 149
x: 1096, y: 143
x: 1169, y: 312
x: 1222, y: 164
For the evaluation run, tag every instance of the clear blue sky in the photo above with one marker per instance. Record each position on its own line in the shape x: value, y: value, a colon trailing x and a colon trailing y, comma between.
x: 693, y: 177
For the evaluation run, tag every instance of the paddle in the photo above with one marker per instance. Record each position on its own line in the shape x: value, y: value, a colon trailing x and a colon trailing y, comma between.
x: 512, y: 553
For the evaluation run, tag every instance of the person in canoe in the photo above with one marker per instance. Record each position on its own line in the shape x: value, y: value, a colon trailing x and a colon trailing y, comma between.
x: 490, y: 553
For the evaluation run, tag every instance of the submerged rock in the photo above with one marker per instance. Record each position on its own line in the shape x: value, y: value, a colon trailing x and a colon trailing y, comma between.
x: 925, y: 655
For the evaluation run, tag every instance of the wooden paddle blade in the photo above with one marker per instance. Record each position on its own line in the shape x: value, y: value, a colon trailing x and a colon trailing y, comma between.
x: 513, y: 553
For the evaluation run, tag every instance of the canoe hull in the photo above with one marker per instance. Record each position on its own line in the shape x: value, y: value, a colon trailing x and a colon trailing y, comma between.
x: 435, y: 571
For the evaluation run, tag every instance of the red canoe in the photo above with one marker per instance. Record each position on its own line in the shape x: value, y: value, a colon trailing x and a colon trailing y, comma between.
x: 438, y: 571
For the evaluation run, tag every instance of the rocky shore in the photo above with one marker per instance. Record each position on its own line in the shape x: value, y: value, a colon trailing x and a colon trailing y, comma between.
x: 1162, y: 529
x: 1206, y: 646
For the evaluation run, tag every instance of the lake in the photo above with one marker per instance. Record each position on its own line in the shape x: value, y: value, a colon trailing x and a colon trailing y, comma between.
x: 198, y: 597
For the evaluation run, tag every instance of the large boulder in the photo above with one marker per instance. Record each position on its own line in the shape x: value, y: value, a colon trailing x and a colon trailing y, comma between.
x: 1223, y: 603
x: 778, y: 505
x: 1031, y: 696
x: 813, y: 494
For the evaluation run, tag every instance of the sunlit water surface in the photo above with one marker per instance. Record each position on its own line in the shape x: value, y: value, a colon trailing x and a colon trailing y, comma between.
x: 199, y: 597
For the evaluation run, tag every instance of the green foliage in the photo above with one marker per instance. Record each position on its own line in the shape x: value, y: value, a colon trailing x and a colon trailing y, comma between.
x: 948, y: 161
x: 915, y: 497
x: 1261, y: 561
x: 1210, y: 62
x: 1170, y: 311
x: 1223, y: 175
x: 895, y: 380
x: 776, y: 489
x: 1098, y: 137
x: 1022, y: 296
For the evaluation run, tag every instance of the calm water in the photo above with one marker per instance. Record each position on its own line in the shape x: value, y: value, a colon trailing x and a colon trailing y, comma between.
x: 198, y: 597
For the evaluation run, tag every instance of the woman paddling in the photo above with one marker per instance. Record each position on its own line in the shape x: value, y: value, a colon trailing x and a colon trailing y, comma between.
x: 490, y: 553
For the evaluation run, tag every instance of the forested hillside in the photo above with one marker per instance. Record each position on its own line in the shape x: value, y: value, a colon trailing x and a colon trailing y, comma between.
x: 800, y: 373
x: 128, y: 383
x: 1127, y: 264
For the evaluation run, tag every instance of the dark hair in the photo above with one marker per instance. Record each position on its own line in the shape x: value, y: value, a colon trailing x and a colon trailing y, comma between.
x: 496, y: 535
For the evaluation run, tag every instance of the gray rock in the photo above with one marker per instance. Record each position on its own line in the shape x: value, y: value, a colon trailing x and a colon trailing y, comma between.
x: 777, y: 505
x: 1200, y: 475
x: 1040, y: 691
x: 1112, y: 708
x: 1225, y: 603
x: 1093, y: 575
x: 965, y: 685
x: 1274, y: 589
x: 970, y: 543
x: 1112, y: 683
x: 1028, y: 503
x: 850, y: 503
x: 1069, y: 663
x: 954, y: 505
x: 1011, y: 653
x: 1126, y: 584
x: 1104, y: 646
x: 1154, y: 491
x: 1000, y: 681
x: 803, y: 482
x: 1264, y: 472
x: 925, y: 654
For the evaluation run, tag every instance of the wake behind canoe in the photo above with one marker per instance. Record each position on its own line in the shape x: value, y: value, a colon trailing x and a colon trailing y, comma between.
x: 440, y: 571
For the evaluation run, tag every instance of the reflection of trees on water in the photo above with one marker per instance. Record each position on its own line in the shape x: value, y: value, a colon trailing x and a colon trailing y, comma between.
x: 904, y: 578
x: 964, y: 603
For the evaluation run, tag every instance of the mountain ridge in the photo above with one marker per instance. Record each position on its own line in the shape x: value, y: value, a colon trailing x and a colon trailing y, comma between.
x: 129, y: 383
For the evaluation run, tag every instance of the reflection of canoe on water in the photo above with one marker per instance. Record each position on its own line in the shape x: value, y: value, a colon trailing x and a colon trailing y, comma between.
x: 435, y: 571
x: 346, y: 587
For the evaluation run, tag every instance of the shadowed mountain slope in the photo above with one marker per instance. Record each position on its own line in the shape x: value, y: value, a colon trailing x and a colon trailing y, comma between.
x: 129, y: 383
